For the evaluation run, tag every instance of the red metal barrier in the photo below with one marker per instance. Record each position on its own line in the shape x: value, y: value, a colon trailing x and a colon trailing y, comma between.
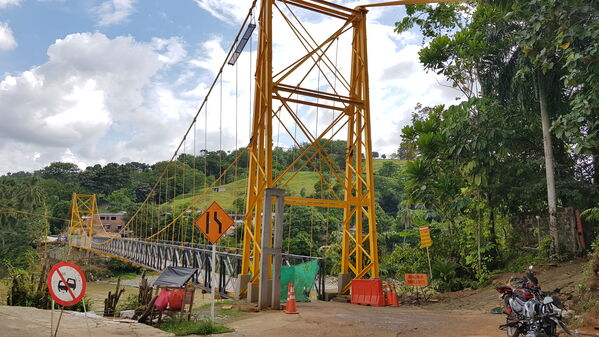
x: 367, y: 292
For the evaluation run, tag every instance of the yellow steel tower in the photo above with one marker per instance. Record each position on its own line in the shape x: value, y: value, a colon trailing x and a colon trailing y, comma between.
x: 275, y: 96
x: 83, y: 209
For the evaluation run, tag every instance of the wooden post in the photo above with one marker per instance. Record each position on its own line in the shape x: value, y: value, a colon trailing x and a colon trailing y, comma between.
x: 112, y: 300
x: 430, y: 268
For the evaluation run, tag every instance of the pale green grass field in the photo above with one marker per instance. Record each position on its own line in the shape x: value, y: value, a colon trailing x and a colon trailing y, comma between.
x: 237, y: 189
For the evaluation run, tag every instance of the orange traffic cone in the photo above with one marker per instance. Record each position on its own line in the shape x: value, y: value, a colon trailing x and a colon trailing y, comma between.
x: 290, y: 307
x: 389, y: 294
x: 395, y: 302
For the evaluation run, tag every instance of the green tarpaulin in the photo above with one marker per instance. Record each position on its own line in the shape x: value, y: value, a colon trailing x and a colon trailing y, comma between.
x: 302, y: 276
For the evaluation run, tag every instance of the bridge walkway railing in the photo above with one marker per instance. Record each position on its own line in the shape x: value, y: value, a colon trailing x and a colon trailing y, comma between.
x: 157, y: 255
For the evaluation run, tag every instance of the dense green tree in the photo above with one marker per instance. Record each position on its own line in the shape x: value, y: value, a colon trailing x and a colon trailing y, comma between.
x: 513, y: 57
x: 20, y: 228
x: 120, y: 199
x: 105, y: 180
x: 60, y: 171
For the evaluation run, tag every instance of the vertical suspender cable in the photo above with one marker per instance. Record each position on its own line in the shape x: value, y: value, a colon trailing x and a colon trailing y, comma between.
x: 193, y: 186
x: 326, y: 235
x: 251, y: 83
x: 205, y: 154
x: 236, y: 130
x: 182, y: 231
x: 236, y: 111
x: 220, y: 133
x: 174, y: 227
x: 320, y: 161
x: 206, y: 146
x: 164, y: 237
x: 311, y: 229
x: 335, y: 81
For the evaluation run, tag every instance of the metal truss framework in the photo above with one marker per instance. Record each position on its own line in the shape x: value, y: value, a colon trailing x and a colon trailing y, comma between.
x: 274, y: 96
x: 83, y: 209
x: 157, y: 255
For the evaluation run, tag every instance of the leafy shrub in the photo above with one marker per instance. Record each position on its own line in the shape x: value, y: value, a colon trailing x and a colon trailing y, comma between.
x: 404, y: 259
x: 445, y: 277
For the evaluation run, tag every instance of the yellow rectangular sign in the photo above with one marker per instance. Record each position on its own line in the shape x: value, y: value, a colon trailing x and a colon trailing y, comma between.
x: 425, y: 237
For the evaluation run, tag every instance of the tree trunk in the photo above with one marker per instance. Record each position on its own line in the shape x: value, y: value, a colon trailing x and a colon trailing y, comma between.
x: 478, y: 239
x: 549, y: 171
x: 493, y: 234
x: 492, y: 229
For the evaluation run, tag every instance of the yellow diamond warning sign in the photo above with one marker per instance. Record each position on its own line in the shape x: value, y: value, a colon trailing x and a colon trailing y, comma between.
x: 425, y: 237
x: 214, y: 222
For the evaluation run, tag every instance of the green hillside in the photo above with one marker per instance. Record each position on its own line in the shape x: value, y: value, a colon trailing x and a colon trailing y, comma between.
x: 237, y: 189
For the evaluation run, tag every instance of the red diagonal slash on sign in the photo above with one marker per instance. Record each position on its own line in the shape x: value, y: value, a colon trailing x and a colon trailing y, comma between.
x: 65, y: 283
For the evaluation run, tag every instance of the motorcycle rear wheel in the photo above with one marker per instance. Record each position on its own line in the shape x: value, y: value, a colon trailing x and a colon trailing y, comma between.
x: 513, y: 332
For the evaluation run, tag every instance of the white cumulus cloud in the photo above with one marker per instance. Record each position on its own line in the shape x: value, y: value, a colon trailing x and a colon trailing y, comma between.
x: 230, y: 11
x: 6, y: 3
x: 111, y: 12
x: 95, y: 100
x: 7, y: 40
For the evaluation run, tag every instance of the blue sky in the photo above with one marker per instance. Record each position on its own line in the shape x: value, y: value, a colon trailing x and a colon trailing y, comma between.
x: 37, y: 24
x: 99, y: 81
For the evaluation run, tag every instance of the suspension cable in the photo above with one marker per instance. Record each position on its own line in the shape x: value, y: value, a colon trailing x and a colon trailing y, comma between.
x: 248, y: 17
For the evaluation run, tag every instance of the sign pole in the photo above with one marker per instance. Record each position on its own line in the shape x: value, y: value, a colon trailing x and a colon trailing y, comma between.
x: 58, y: 323
x: 89, y: 332
x: 212, y: 279
x: 430, y: 269
x: 52, y: 319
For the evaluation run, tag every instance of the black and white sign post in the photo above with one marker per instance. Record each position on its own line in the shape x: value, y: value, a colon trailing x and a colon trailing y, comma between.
x: 66, y: 285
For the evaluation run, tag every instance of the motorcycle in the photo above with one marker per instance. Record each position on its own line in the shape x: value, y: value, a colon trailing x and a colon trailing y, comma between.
x: 529, y: 311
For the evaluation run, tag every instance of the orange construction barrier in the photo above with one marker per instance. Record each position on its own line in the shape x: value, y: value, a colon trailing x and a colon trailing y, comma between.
x: 389, y: 294
x: 367, y: 292
x: 290, y: 307
x: 395, y: 302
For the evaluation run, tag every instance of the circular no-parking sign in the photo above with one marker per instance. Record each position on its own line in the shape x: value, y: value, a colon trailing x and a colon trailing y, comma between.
x: 66, y: 283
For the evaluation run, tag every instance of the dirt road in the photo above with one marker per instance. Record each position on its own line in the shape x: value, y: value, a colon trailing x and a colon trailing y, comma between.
x: 458, y: 314
x: 341, y: 319
x: 315, y: 319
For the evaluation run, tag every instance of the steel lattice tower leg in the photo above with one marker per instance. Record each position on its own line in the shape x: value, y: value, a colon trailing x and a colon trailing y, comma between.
x: 260, y: 148
x: 359, y: 249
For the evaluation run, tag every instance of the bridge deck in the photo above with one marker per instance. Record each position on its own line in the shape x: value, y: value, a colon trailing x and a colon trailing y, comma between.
x: 157, y: 255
